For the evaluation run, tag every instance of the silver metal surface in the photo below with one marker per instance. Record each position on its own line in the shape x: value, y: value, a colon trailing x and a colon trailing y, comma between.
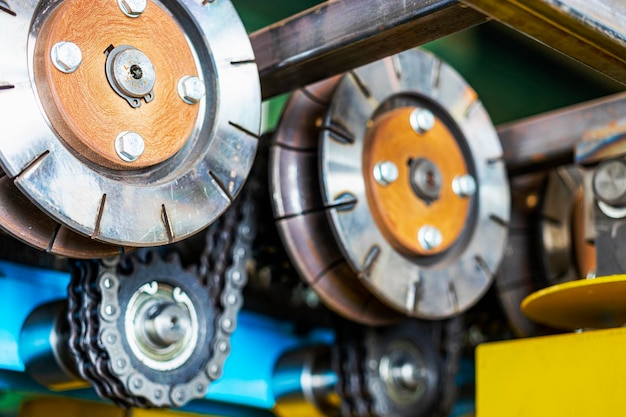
x: 191, y: 89
x: 336, y: 36
x: 129, y: 146
x: 385, y: 172
x: 66, y: 56
x: 464, y: 186
x: 132, y: 8
x: 303, y: 379
x: 590, y: 31
x: 609, y: 182
x: 422, y: 288
x: 148, y: 207
x: 422, y: 120
x: 429, y: 237
x: 161, y: 326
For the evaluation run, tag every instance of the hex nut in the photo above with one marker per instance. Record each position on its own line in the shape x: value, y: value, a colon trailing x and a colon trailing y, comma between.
x: 66, y: 56
x: 191, y: 89
x: 129, y: 146
x: 429, y: 237
x: 385, y: 173
x: 133, y: 8
x: 464, y: 186
x: 422, y: 120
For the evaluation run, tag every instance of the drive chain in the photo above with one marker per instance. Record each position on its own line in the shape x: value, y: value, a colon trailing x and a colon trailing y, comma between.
x: 96, y: 340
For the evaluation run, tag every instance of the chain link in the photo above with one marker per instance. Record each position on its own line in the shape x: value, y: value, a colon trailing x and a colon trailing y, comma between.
x: 94, y: 310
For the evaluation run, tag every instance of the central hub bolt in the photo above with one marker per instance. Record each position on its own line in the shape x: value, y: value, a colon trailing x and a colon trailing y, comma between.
x: 425, y: 179
x: 131, y: 74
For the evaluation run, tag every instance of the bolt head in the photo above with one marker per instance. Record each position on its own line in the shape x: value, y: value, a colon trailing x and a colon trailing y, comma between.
x: 385, y: 173
x: 129, y: 146
x: 464, y: 186
x: 133, y: 8
x: 191, y: 89
x: 422, y: 120
x: 66, y: 56
x: 429, y: 237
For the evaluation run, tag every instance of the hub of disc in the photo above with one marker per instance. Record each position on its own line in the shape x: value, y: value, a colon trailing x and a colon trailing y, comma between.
x: 422, y: 196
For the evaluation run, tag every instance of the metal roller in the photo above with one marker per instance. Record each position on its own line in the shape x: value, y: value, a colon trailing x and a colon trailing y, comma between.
x: 413, y: 187
x: 134, y: 126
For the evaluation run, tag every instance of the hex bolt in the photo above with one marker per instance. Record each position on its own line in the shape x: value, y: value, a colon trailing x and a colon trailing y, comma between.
x: 132, y: 8
x: 429, y: 237
x: 464, y: 186
x: 385, y: 173
x: 191, y: 89
x: 422, y: 120
x: 66, y: 56
x: 129, y: 146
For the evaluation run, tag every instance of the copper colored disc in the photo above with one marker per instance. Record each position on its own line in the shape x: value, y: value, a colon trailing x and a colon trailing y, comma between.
x: 83, y: 107
x: 397, y: 209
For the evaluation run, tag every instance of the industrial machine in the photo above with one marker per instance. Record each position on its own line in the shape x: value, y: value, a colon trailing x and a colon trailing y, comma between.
x: 378, y: 232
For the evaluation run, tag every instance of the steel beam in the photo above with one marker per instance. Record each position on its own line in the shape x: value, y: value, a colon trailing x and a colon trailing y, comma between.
x: 550, y: 139
x: 339, y: 35
x: 590, y: 31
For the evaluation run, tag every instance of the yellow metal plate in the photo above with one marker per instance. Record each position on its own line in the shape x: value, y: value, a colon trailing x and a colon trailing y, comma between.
x: 67, y: 407
x: 573, y: 375
x: 598, y: 303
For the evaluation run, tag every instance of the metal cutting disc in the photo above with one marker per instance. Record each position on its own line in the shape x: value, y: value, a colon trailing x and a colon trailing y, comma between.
x: 427, y: 265
x: 61, y: 128
x: 300, y: 213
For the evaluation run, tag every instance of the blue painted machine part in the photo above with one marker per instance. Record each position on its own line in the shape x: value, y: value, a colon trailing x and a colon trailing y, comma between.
x: 257, y: 343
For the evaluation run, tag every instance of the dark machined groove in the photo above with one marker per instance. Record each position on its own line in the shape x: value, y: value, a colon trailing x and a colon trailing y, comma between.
x: 244, y: 130
x: 221, y: 186
x: 96, y: 229
x: 166, y: 221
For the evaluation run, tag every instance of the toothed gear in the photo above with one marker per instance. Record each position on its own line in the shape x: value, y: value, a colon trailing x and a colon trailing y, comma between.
x: 118, y: 359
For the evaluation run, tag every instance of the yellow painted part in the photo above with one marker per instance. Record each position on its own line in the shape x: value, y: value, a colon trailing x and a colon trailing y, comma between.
x: 598, y: 303
x: 571, y: 375
x: 65, y: 407
x: 52, y: 407
x: 301, y: 409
